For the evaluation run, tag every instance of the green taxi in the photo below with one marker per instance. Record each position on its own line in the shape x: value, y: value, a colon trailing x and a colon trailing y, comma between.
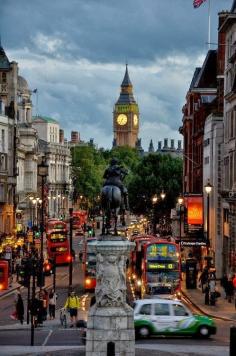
x: 169, y: 317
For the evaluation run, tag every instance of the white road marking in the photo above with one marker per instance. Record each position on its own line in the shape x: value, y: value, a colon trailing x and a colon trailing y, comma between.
x: 46, y: 340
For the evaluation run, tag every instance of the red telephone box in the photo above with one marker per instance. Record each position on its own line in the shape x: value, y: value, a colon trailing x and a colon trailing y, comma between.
x: 3, y: 275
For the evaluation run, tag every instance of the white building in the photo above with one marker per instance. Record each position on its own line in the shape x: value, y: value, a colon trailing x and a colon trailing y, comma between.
x: 212, y: 172
x: 58, y: 158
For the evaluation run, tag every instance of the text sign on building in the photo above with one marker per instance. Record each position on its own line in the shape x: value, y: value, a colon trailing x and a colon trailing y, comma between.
x: 194, y: 210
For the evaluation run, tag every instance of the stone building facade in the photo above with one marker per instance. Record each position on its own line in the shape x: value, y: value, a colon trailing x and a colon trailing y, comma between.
x: 16, y: 106
x: 57, y: 153
x: 228, y: 191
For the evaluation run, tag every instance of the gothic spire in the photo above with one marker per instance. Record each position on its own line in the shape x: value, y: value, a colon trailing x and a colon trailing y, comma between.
x: 126, y: 94
x: 126, y: 81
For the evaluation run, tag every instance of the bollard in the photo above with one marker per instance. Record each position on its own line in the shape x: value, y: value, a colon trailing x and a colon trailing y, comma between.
x: 110, y: 348
x: 232, y: 345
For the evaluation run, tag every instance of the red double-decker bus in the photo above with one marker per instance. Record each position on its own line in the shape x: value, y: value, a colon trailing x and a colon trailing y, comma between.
x: 89, y: 265
x: 136, y: 259
x: 80, y: 218
x: 161, y: 269
x: 57, y: 242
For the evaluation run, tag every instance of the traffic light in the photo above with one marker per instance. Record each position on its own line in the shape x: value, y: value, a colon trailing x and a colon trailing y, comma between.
x: 40, y: 275
x: 24, y: 272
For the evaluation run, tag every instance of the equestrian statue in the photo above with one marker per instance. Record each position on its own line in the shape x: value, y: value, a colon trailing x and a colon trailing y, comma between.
x: 114, y: 196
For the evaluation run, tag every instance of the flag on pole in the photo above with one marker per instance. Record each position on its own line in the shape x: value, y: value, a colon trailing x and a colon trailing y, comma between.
x: 197, y: 3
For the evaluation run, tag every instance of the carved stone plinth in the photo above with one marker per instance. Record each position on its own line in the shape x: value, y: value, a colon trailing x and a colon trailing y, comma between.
x: 110, y: 329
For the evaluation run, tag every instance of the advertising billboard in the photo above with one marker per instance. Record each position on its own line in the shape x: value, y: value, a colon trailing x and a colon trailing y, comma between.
x: 194, y: 206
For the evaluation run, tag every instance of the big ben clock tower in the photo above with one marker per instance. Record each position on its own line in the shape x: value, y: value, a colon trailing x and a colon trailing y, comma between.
x: 126, y: 115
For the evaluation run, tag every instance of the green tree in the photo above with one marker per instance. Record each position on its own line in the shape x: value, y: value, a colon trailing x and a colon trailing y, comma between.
x: 88, y: 166
x: 153, y: 174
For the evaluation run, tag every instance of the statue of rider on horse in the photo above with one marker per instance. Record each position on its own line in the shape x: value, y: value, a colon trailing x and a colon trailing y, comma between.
x: 114, y: 193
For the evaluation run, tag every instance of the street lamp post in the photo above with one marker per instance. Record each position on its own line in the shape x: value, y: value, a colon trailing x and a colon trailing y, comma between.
x: 43, y: 173
x: 208, y: 188
x: 71, y: 246
x: 180, y: 201
x: 154, y: 201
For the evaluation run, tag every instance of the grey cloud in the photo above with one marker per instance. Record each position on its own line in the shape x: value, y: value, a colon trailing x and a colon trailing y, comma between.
x: 74, y: 52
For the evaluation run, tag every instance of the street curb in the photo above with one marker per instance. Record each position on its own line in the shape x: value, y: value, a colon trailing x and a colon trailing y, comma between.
x: 204, y: 312
x: 7, y: 293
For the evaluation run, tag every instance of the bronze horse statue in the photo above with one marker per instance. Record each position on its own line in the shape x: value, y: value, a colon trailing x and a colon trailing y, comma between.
x: 112, y: 204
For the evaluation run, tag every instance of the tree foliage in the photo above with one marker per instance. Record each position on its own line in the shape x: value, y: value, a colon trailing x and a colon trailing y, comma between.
x: 147, y: 176
x: 88, y: 166
x: 155, y: 173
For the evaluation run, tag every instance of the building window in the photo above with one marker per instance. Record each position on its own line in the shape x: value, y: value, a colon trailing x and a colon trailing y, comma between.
x: 206, y: 142
x: 4, y: 77
x: 226, y: 172
x: 3, y: 140
x: 206, y: 160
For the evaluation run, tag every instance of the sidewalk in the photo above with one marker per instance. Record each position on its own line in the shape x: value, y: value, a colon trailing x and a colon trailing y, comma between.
x: 223, y: 309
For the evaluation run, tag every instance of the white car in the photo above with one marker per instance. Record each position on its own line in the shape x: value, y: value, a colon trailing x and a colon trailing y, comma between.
x: 169, y: 317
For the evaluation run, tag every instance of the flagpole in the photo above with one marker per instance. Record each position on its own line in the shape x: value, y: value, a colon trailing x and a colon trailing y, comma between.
x: 209, y: 24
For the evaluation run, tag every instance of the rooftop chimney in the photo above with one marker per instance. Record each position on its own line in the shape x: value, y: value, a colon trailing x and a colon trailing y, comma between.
x: 61, y: 136
x: 74, y: 136
x: 165, y: 143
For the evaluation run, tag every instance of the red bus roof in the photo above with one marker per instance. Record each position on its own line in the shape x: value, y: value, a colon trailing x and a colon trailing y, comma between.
x: 56, y: 225
x: 142, y: 236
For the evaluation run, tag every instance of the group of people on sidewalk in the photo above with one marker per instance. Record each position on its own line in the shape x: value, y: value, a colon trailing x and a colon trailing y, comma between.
x: 208, y: 285
x: 43, y: 303
x: 207, y: 281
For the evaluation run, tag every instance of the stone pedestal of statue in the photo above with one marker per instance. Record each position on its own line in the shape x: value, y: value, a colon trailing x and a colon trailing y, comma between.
x: 110, y: 327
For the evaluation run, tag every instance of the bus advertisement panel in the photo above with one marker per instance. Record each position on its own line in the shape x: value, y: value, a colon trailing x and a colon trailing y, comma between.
x: 57, y: 242
x: 161, y: 269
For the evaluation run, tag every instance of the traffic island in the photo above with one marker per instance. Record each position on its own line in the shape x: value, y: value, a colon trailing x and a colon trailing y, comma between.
x: 110, y: 328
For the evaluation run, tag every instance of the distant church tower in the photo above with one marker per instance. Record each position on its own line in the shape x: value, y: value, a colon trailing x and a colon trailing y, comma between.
x: 126, y: 115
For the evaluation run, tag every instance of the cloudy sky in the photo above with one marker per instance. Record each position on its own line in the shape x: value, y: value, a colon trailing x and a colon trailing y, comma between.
x: 74, y: 52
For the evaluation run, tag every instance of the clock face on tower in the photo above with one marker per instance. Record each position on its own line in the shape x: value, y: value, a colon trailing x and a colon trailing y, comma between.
x: 121, y: 119
x: 135, y: 120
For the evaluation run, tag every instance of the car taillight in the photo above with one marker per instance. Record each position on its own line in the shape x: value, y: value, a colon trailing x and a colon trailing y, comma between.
x: 87, y: 281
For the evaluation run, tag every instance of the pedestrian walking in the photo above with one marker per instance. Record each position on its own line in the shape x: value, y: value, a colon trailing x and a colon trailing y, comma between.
x: 212, y: 290
x: 234, y: 282
x: 203, y: 279
x: 230, y: 290
x: 206, y: 294
x: 20, y: 308
x: 40, y: 309
x: 45, y: 304
x: 73, y: 304
x: 52, y: 299
x: 224, y: 284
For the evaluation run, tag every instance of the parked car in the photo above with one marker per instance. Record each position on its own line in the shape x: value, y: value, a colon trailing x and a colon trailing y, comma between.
x: 169, y: 317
